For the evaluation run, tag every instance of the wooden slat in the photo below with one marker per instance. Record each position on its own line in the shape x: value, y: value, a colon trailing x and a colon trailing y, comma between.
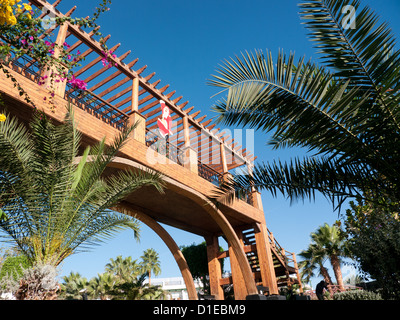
x: 151, y: 75
x: 108, y: 79
x: 104, y: 69
x: 93, y: 62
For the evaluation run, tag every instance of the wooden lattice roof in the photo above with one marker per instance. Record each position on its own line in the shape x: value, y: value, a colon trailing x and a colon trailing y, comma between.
x: 113, y: 88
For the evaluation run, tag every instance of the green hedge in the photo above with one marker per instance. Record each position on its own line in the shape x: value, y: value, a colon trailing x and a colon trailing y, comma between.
x: 14, y: 266
x: 357, y: 295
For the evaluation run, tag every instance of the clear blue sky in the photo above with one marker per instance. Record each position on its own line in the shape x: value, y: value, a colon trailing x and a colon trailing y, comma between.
x: 183, y: 41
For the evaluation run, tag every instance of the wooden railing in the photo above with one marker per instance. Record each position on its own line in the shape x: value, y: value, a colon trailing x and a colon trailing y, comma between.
x: 286, y: 256
x: 209, y: 173
x: 26, y: 66
x: 96, y: 106
x: 155, y: 141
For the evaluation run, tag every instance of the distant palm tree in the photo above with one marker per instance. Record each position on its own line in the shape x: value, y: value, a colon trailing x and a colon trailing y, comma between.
x: 331, y: 242
x: 56, y: 203
x: 125, y: 269
x: 137, y: 290
x: 73, y: 285
x: 346, y: 112
x: 102, y: 286
x: 313, y: 260
x: 150, y: 262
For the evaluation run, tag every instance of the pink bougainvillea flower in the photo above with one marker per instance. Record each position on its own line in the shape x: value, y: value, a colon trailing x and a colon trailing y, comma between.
x: 77, y: 83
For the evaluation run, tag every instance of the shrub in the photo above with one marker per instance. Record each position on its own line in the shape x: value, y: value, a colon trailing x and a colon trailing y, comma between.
x: 14, y: 267
x: 38, y: 283
x: 357, y: 295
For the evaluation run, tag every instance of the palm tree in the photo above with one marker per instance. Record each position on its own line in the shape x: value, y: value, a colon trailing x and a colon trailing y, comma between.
x: 150, y: 262
x: 314, y: 259
x: 137, y: 290
x: 102, y: 286
x: 345, y: 112
x: 331, y: 242
x: 73, y: 285
x: 125, y: 269
x: 56, y: 203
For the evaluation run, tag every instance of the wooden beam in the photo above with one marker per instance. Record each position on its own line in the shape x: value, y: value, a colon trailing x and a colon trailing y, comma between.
x: 108, y: 79
x: 104, y: 69
x: 93, y: 62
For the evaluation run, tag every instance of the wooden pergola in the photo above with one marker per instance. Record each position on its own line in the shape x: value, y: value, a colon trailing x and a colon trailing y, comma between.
x: 124, y: 89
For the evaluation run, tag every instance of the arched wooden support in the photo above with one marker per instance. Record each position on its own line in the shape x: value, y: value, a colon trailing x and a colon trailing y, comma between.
x: 211, y: 209
x: 171, y: 244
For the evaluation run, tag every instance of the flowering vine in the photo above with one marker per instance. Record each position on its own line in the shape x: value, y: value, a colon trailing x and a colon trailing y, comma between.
x: 22, y: 30
x: 8, y: 8
x: 107, y: 58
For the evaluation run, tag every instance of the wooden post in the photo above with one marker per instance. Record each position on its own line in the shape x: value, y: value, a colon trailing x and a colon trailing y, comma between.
x: 239, y: 285
x: 214, y: 267
x: 266, y: 262
x: 272, y: 240
x: 53, y: 75
x: 226, y: 175
x: 139, y: 133
x: 186, y: 133
x: 255, y: 195
x: 190, y: 155
x: 223, y: 158
x: 135, y: 95
x: 297, y: 272
x: 61, y: 36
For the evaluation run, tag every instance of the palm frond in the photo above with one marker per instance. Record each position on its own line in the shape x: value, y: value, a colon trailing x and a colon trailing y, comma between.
x: 299, y: 179
x: 15, y: 146
x: 363, y: 52
x: 305, y: 104
x: 54, y: 205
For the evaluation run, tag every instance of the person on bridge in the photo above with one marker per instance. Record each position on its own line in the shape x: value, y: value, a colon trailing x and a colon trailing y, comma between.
x: 165, y: 123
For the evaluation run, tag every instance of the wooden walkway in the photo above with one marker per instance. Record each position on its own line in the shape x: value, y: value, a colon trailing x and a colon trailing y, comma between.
x: 195, y: 158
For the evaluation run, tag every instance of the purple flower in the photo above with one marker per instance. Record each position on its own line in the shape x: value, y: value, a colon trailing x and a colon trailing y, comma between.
x: 77, y: 83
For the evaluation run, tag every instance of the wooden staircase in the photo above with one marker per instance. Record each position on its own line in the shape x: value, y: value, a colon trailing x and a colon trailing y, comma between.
x: 284, y: 262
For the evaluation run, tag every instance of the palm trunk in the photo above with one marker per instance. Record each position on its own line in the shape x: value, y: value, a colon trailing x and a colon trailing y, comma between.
x: 327, y: 278
x: 338, y: 271
x: 149, y: 278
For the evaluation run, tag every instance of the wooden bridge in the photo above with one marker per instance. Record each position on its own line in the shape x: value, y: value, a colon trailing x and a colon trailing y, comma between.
x: 194, y: 158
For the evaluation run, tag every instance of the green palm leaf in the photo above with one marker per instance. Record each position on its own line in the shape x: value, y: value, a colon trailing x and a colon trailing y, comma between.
x: 347, y: 113
x: 55, y: 205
